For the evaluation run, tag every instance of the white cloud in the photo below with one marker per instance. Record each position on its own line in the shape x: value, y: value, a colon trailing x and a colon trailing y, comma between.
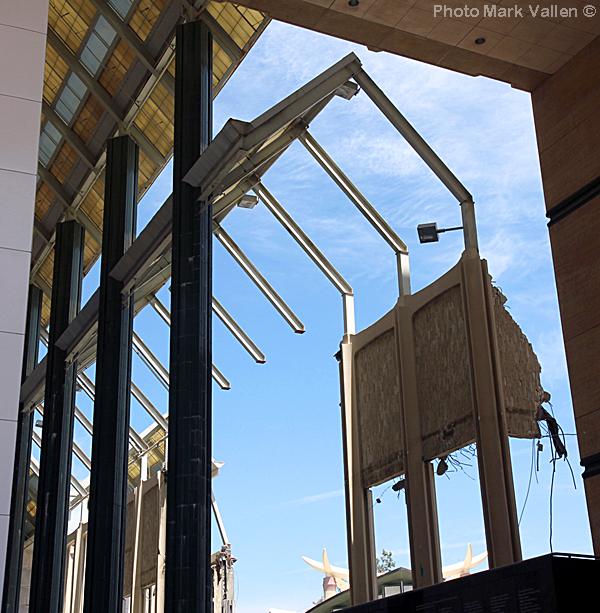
x: 310, y: 499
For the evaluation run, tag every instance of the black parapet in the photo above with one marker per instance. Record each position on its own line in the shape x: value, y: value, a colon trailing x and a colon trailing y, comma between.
x: 188, y: 584
x: 49, y: 552
x: 554, y: 583
x: 110, y: 444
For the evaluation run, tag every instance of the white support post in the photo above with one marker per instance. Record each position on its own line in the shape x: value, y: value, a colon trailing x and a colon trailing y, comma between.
x: 469, y: 225
x: 162, y: 540
x: 403, y: 274
x: 79, y: 569
x: 136, y: 587
x: 349, y: 321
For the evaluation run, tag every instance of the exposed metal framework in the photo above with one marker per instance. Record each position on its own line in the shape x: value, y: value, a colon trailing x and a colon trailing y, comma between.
x: 231, y: 166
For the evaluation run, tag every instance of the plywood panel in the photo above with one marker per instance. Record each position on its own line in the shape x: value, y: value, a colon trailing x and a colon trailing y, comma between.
x: 523, y: 392
x: 129, y: 547
x: 149, y: 536
x: 443, y: 375
x: 379, y: 411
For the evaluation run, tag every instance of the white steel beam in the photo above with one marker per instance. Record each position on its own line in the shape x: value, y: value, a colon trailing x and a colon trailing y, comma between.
x: 89, y: 388
x: 82, y: 456
x: 365, y: 207
x: 359, y: 200
x: 156, y: 415
x: 162, y: 310
x: 263, y: 285
x: 218, y: 376
x: 414, y: 139
x: 313, y: 252
x: 74, y: 482
x: 237, y: 331
x: 220, y: 523
x: 84, y: 421
x: 153, y: 363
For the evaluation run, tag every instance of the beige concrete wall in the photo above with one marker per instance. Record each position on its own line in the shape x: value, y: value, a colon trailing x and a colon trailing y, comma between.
x: 567, y: 117
x: 23, y: 26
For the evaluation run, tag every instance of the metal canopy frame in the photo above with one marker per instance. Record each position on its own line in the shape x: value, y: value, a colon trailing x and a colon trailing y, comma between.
x: 233, y: 165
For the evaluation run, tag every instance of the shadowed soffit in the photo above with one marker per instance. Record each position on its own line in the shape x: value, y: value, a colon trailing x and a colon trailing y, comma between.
x: 520, y: 49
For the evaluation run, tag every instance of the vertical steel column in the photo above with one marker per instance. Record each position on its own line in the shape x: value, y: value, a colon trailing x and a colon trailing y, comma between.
x: 47, y: 573
x: 110, y: 443
x: 493, y: 452
x: 359, y: 503
x: 188, y: 586
x: 421, y: 507
x: 20, y: 486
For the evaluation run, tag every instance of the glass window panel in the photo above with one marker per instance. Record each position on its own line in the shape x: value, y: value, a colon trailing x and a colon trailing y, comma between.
x: 44, y: 159
x: 97, y: 46
x: 105, y: 31
x: 121, y: 6
x: 47, y: 145
x: 64, y: 111
x: 90, y: 61
x: 76, y: 84
x: 69, y: 98
x: 53, y: 133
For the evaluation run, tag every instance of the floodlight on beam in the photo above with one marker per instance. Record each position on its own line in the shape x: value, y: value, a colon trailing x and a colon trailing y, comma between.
x: 248, y: 201
x: 260, y: 159
x: 429, y: 232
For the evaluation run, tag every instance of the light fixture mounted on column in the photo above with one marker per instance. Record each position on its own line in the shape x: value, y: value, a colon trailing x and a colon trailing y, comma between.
x: 428, y: 232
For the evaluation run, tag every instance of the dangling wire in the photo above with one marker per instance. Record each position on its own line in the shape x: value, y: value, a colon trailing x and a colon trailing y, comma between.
x: 531, y: 471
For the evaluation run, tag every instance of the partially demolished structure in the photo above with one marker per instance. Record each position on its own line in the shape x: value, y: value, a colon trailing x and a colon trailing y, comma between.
x: 446, y: 367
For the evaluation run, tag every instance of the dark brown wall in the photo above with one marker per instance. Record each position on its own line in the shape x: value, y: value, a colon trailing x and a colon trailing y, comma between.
x: 567, y: 118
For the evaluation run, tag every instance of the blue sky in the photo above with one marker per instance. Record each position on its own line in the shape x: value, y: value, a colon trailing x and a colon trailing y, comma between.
x: 278, y: 429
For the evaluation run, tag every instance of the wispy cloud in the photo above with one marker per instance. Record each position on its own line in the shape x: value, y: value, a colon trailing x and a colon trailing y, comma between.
x: 309, y: 499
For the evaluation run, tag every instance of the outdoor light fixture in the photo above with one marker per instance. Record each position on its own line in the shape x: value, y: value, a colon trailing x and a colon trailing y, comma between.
x: 428, y: 232
x: 248, y: 202
x: 442, y: 467
x: 353, y: 3
x: 399, y: 485
x: 39, y: 423
x: 479, y: 41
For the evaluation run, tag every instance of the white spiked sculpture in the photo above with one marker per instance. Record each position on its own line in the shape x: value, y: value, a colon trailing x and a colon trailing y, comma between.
x: 454, y: 571
x: 341, y: 575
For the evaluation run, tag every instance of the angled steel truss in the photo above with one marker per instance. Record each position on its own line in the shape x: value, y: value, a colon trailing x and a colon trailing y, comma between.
x: 231, y: 167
